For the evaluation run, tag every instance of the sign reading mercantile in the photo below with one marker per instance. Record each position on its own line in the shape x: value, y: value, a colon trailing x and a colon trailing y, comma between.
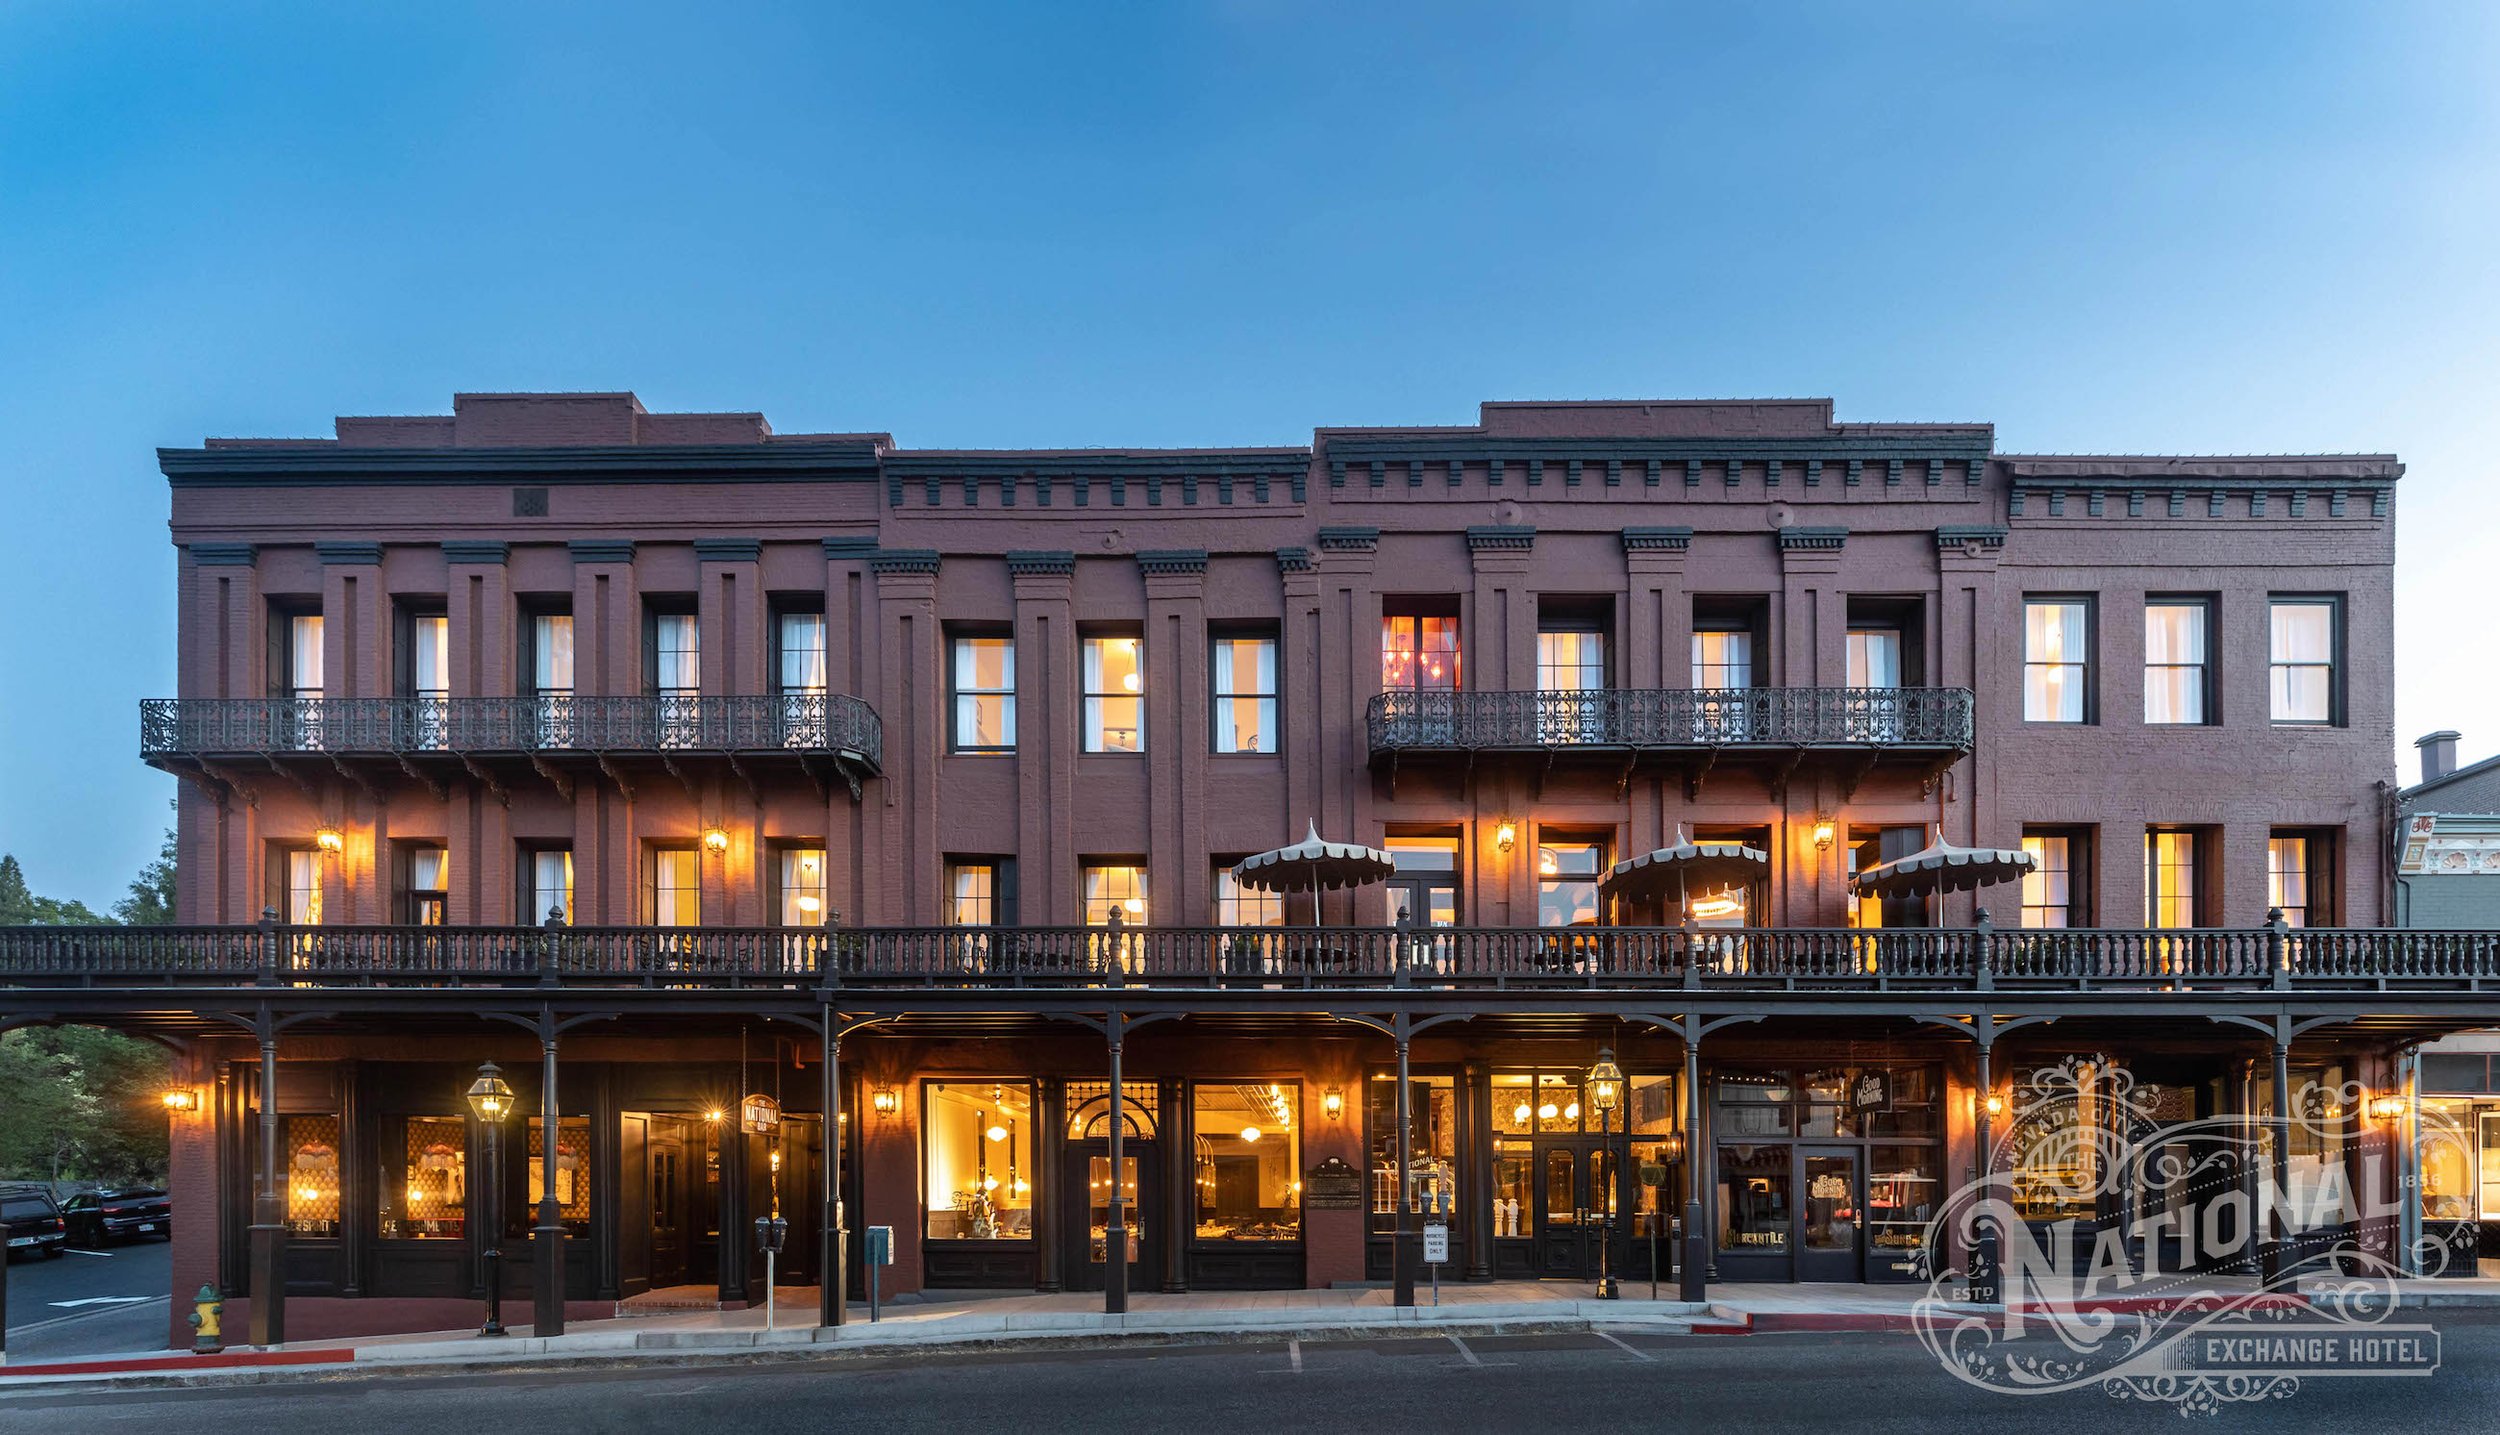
x: 1332, y: 1185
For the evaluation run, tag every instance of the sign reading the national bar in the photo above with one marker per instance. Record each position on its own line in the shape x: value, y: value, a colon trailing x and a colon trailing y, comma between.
x: 759, y: 1115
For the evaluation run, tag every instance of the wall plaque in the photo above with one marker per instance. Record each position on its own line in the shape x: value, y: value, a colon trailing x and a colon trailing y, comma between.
x: 1332, y: 1185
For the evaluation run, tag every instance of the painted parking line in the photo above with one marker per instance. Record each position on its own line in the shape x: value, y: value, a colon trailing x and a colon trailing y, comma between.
x: 108, y: 1255
x: 1642, y: 1356
x: 99, y: 1300
x: 1293, y: 1352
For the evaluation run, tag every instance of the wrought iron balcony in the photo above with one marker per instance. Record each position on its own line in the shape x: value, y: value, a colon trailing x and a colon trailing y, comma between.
x: 830, y: 724
x: 2166, y: 964
x: 1926, y: 720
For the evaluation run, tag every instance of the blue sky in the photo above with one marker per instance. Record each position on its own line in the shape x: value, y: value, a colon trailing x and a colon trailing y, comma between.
x: 2104, y: 227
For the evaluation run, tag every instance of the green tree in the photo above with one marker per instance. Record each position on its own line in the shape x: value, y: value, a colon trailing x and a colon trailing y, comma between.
x: 80, y: 1103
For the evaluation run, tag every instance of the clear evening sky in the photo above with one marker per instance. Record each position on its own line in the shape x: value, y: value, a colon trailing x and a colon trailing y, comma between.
x: 2177, y: 228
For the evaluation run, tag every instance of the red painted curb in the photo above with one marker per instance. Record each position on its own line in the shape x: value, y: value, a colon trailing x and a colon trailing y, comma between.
x: 236, y: 1360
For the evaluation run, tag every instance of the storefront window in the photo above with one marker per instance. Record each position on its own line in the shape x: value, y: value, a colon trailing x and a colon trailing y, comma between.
x: 2447, y: 1147
x: 1753, y: 1198
x: 977, y: 1160
x: 1754, y: 1103
x: 311, y: 1174
x: 2054, y: 1150
x: 1248, y: 1144
x: 1514, y: 1202
x: 572, y: 1169
x: 1432, y: 1108
x: 1903, y: 1185
x: 1650, y: 1107
x: 422, y: 1191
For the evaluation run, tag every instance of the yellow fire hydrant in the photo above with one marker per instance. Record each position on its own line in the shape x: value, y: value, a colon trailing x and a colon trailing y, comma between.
x: 206, y: 1311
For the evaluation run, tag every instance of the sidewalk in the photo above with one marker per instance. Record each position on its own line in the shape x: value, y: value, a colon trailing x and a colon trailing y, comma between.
x: 990, y: 1322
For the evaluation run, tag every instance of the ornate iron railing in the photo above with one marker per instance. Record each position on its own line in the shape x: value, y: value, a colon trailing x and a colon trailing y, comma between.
x: 1931, y: 718
x: 789, y: 722
x: 1768, y: 960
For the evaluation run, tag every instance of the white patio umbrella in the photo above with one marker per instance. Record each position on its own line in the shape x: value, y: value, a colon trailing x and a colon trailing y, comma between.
x: 1315, y: 866
x: 1942, y: 867
x: 1653, y: 874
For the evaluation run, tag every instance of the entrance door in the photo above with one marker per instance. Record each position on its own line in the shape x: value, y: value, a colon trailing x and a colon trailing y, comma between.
x: 1089, y: 1190
x: 1576, y: 1187
x: 670, y: 1200
x: 1832, y: 1215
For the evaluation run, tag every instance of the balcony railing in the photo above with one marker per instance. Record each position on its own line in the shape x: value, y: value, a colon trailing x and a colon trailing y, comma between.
x: 1933, y: 719
x: 791, y: 722
x: 1253, y: 958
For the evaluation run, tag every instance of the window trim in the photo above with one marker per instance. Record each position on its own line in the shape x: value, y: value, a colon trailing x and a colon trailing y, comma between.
x: 2336, y: 649
x: 525, y: 888
x: 2209, y: 689
x: 651, y: 854
x: 1127, y: 861
x: 1086, y: 697
x: 1416, y: 609
x: 2090, y: 664
x: 2082, y: 858
x: 1274, y: 697
x: 2200, y: 866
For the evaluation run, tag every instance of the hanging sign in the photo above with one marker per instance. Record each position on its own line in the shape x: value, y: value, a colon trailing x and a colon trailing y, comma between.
x: 1870, y: 1090
x: 759, y: 1115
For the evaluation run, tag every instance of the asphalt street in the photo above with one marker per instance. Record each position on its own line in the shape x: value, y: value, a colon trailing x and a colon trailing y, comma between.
x: 1863, y: 1384
x: 96, y: 1300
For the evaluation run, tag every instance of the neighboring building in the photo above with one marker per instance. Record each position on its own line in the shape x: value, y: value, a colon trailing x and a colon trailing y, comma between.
x: 705, y: 691
x: 2447, y: 878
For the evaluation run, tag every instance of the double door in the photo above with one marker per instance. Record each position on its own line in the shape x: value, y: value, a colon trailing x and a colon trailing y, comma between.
x: 1579, y: 1202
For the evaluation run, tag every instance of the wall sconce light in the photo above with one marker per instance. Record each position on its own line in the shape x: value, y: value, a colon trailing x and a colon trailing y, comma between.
x: 1505, y: 836
x: 1824, y: 832
x: 886, y: 1101
x: 1332, y: 1104
x: 329, y: 839
x: 181, y: 1099
x: 714, y: 1115
x: 716, y: 839
x: 1672, y: 1149
x: 2388, y: 1107
x: 1996, y: 1104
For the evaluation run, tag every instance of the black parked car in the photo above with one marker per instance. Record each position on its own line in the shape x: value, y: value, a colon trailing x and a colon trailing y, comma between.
x: 125, y: 1213
x: 33, y: 1222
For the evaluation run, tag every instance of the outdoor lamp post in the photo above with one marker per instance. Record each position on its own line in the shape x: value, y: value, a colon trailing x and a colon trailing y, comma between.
x: 1606, y: 1093
x: 490, y: 1097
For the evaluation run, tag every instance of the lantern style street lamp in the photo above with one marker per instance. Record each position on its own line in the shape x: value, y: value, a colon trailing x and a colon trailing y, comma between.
x: 490, y: 1099
x: 1606, y: 1093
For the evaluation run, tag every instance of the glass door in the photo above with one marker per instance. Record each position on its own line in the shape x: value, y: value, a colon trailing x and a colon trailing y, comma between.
x: 1089, y: 1177
x: 1563, y: 1218
x: 1832, y: 1216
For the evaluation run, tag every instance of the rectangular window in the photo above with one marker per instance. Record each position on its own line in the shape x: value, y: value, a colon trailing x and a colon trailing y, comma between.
x: 572, y: 1170
x: 310, y: 1144
x: 1723, y: 658
x: 2049, y: 889
x: 673, y: 891
x: 2170, y: 878
x: 1419, y: 652
x: 2176, y: 677
x: 2301, y: 659
x: 985, y: 694
x: 977, y: 1159
x: 1570, y: 684
x: 1874, y: 657
x: 1246, y: 1139
x: 425, y: 678
x: 303, y: 655
x: 799, y: 677
x: 801, y: 886
x: 1872, y: 847
x: 972, y: 894
x: 1426, y: 884
x: 2057, y: 659
x: 677, y: 676
x: 427, y: 900
x: 1240, y: 906
x: 1115, y: 694
x: 547, y: 885
x: 1244, y: 674
x: 1567, y: 870
x: 1432, y: 1138
x: 1114, y: 887
x: 301, y: 868
x: 295, y: 674
x: 423, y: 1191
x: 550, y: 670
x: 2300, y: 877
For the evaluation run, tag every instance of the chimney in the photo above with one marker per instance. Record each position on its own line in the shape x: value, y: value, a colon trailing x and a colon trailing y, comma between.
x: 2439, y: 754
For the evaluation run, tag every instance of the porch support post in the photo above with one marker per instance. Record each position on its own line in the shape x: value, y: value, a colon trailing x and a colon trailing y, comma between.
x: 1401, y: 1259
x: 268, y: 1322
x: 832, y: 1303
x: 2409, y: 1165
x: 547, y: 1241
x: 2275, y: 1219
x: 1987, y: 1285
x: 1115, y: 1234
x: 1693, y: 1275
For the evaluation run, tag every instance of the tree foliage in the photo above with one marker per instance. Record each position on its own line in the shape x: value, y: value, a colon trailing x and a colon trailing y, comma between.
x: 78, y: 1103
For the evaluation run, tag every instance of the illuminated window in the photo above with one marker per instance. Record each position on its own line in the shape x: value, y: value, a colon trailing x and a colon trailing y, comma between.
x: 311, y: 1174
x: 972, y: 896
x: 2299, y: 877
x: 1566, y: 882
x: 303, y: 886
x: 1115, y: 694
x: 2169, y: 878
x: 2301, y: 666
x: 1248, y: 1154
x: 673, y: 890
x: 572, y: 1172
x: 423, y: 1193
x: 2175, y: 674
x: 2048, y: 889
x: 802, y: 886
x: 548, y: 885
x: 1114, y: 888
x: 977, y: 1159
x: 1240, y: 906
x: 1723, y: 658
x: 1419, y: 652
x: 428, y: 895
